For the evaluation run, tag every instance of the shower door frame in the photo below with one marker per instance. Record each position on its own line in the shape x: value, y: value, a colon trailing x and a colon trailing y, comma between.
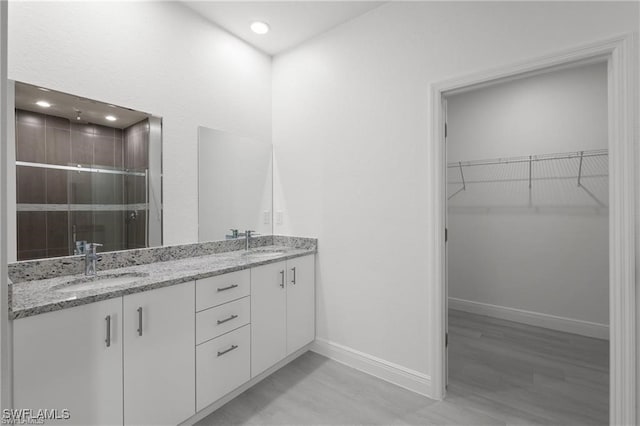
x: 620, y: 53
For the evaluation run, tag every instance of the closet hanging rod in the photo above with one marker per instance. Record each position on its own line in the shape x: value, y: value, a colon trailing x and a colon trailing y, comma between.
x: 527, y: 159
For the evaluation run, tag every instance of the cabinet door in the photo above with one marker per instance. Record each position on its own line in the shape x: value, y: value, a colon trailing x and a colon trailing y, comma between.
x: 159, y: 355
x: 301, y: 323
x: 65, y: 360
x: 268, y: 316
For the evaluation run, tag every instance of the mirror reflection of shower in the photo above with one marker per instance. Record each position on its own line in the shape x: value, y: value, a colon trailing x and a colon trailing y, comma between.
x: 131, y: 223
x: 84, y: 172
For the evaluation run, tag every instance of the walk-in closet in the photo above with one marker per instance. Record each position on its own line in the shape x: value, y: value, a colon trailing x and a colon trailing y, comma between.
x: 527, y: 248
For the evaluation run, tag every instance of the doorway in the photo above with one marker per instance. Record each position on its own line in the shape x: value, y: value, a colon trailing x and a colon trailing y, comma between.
x: 619, y: 53
x: 527, y: 249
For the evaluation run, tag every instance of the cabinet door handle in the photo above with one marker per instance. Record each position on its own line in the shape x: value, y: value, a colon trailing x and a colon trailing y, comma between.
x: 220, y: 353
x: 228, y: 288
x: 282, y: 278
x: 293, y: 281
x: 140, y: 321
x: 107, y: 341
x: 232, y: 317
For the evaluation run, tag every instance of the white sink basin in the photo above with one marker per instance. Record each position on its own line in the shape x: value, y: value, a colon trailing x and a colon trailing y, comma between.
x: 263, y: 253
x: 99, y: 281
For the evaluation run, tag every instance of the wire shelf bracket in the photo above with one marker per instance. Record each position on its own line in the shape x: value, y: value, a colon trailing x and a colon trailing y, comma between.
x: 529, y: 161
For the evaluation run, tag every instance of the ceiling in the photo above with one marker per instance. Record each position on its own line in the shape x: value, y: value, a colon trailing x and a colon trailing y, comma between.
x: 291, y: 22
x: 67, y: 106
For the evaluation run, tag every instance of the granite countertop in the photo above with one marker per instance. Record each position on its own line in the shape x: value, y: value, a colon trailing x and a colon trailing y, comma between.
x: 39, y: 296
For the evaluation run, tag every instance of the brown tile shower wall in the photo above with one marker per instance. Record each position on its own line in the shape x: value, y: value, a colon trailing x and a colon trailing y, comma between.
x: 136, y: 158
x: 136, y: 149
x: 42, y: 138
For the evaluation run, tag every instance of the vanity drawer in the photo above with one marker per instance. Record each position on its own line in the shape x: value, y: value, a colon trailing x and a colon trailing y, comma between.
x: 216, y: 321
x: 214, y: 291
x: 222, y: 364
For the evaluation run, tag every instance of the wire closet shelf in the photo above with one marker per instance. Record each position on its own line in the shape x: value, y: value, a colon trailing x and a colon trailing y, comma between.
x: 573, y: 167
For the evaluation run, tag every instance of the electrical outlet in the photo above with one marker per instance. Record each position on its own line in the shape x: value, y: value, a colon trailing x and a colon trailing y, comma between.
x: 279, y: 217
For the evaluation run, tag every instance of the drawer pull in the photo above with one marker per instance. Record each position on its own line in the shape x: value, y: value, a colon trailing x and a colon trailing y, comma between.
x: 282, y: 278
x: 107, y: 341
x: 293, y: 281
x: 228, y: 288
x: 232, y: 317
x: 140, y: 321
x: 227, y: 350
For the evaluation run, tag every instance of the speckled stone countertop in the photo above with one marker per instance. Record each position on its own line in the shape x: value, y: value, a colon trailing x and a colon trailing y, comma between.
x: 34, y: 297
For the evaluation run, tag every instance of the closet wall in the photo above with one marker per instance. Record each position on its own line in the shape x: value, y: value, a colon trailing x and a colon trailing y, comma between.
x: 539, y: 255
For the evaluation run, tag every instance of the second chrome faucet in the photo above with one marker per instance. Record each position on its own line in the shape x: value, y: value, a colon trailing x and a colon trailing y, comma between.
x: 247, y: 235
x: 90, y: 258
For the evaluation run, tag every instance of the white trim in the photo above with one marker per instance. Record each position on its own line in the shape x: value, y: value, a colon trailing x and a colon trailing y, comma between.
x: 620, y: 53
x: 553, y: 322
x: 623, y: 115
x: 377, y: 367
x: 237, y: 391
x: 10, y: 163
x: 5, y: 343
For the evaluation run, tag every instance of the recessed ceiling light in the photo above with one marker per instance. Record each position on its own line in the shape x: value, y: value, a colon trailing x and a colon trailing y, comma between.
x: 111, y: 118
x: 259, y: 27
x: 43, y: 104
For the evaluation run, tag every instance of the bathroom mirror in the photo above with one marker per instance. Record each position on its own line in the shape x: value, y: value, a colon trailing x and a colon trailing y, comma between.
x: 234, y: 185
x: 86, y: 171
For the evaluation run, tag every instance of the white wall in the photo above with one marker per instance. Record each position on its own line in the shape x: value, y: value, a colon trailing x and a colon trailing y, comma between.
x: 559, y: 111
x: 350, y: 113
x: 157, y: 57
x: 549, y: 256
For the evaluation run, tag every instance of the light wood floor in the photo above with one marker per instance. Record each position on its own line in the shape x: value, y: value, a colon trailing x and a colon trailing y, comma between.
x: 501, y: 373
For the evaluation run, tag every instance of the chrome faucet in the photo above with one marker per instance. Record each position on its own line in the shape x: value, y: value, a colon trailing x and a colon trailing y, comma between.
x: 247, y: 237
x: 233, y: 236
x: 91, y: 258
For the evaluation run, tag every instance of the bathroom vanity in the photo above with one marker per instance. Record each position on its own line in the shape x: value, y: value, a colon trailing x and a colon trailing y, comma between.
x: 163, y: 334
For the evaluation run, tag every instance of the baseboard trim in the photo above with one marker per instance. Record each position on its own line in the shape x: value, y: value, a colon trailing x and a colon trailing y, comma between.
x: 569, y: 325
x: 385, y: 370
x: 228, y: 397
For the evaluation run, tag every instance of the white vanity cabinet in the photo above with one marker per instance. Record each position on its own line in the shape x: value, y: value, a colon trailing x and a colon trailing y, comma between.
x: 282, y: 310
x: 222, y: 364
x: 301, y: 302
x: 222, y: 335
x: 71, y: 359
x: 130, y: 358
x: 268, y: 316
x: 159, y: 355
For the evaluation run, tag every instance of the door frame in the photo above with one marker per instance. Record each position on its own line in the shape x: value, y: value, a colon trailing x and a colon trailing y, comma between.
x: 620, y: 54
x: 5, y: 339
